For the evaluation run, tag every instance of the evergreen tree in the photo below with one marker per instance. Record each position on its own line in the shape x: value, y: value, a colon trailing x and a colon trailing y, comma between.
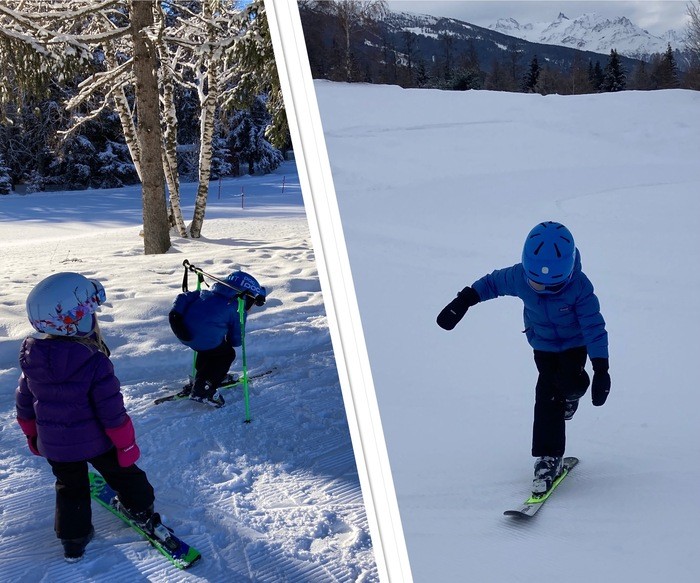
x: 220, y: 159
x: 422, y: 75
x: 5, y: 180
x: 641, y: 79
x: 693, y: 31
x: 467, y: 79
x: 580, y: 77
x: 595, y: 75
x: 532, y: 76
x: 614, y: 78
x: 115, y: 167
x: 409, y: 51
x: 496, y: 79
x: 447, y: 41
x: 665, y: 74
x: 247, y: 143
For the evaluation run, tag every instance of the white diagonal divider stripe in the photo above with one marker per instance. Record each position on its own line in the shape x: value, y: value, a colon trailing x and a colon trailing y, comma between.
x: 338, y: 292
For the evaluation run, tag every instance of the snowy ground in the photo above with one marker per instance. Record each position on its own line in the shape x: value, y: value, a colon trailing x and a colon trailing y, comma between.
x: 436, y: 189
x: 274, y: 500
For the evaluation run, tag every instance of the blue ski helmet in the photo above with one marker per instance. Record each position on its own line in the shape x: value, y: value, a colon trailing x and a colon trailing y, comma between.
x: 64, y: 304
x: 548, y: 255
x: 241, y: 281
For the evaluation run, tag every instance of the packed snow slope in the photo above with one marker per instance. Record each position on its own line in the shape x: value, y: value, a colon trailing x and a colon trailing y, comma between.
x: 436, y: 189
x: 277, y: 499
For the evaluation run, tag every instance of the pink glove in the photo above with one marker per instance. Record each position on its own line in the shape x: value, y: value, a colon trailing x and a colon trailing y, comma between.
x: 29, y: 429
x: 124, y: 439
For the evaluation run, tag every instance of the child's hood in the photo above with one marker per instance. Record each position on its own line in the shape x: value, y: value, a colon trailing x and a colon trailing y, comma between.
x: 55, y: 359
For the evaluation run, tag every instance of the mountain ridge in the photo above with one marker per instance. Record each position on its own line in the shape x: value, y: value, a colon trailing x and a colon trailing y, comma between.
x: 593, y: 32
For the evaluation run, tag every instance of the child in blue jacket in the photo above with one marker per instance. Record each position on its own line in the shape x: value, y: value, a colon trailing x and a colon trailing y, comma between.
x: 563, y: 324
x: 208, y: 322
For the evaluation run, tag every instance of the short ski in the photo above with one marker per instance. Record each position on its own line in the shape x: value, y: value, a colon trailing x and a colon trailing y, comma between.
x: 229, y: 383
x: 534, y: 503
x: 175, y: 550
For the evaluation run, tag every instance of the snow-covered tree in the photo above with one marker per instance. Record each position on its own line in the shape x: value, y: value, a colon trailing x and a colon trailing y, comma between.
x: 595, y: 75
x: 352, y: 15
x: 254, y: 60
x: 247, y: 140
x: 198, y: 45
x: 614, y: 78
x: 223, y: 55
x: 532, y: 76
x: 5, y: 180
x: 693, y: 32
x: 55, y: 37
x: 665, y: 72
x: 140, y: 53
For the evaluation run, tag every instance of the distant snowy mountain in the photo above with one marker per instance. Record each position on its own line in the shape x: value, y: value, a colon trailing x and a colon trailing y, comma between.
x: 592, y: 32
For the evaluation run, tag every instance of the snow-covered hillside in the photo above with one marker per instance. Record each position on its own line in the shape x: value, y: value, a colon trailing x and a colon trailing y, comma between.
x: 274, y: 500
x: 592, y: 32
x: 436, y: 189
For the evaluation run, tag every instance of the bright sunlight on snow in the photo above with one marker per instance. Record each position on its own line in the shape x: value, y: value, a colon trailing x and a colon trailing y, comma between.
x: 274, y: 500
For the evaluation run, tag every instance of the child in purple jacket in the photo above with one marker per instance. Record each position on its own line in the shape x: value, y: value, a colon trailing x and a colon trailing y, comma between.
x: 70, y: 408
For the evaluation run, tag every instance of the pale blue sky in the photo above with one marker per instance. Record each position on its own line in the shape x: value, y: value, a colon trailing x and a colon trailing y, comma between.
x: 655, y: 16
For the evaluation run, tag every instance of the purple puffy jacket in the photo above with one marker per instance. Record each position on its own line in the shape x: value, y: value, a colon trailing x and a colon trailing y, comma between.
x: 69, y: 388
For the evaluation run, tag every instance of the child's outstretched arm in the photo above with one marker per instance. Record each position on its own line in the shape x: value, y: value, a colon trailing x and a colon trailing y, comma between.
x: 453, y: 312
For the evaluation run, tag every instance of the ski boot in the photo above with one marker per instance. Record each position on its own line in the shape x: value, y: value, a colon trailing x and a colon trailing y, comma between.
x: 205, y: 392
x: 570, y: 407
x: 149, y: 522
x: 74, y: 548
x: 547, y: 470
x: 230, y: 379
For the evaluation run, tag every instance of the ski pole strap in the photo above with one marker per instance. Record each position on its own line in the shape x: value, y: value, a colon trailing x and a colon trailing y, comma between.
x: 185, y: 286
x: 185, y: 278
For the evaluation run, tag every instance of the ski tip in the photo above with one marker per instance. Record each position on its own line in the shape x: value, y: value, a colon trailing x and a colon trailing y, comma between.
x: 526, y: 512
x: 570, y: 462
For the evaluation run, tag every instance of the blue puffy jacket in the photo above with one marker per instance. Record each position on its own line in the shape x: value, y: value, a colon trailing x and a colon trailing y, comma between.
x: 210, y: 316
x: 553, y: 322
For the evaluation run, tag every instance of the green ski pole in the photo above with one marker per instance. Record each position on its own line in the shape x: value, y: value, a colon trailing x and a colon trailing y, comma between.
x: 200, y: 279
x: 246, y: 397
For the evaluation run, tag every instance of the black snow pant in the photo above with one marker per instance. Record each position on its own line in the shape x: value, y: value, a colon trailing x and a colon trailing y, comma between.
x: 73, y: 517
x: 212, y: 365
x: 562, y: 376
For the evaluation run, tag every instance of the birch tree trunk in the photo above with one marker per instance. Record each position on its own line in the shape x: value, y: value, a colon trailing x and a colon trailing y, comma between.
x: 156, y: 230
x: 126, y: 118
x: 206, y: 135
x: 169, y: 125
x: 208, y: 97
x: 169, y: 154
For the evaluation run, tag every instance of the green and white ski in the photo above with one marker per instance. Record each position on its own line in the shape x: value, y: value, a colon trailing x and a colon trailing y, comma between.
x: 534, y: 503
x: 173, y: 548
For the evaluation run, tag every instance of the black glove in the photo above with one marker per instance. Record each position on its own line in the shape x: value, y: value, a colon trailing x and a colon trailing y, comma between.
x: 453, y: 312
x: 177, y: 325
x: 601, y: 381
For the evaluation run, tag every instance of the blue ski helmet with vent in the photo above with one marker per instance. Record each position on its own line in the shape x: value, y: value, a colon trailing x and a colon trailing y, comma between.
x: 64, y: 304
x: 548, y: 256
x: 244, y: 283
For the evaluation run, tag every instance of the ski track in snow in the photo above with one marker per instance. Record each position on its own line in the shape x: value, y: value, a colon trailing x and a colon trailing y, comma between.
x: 277, y: 499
